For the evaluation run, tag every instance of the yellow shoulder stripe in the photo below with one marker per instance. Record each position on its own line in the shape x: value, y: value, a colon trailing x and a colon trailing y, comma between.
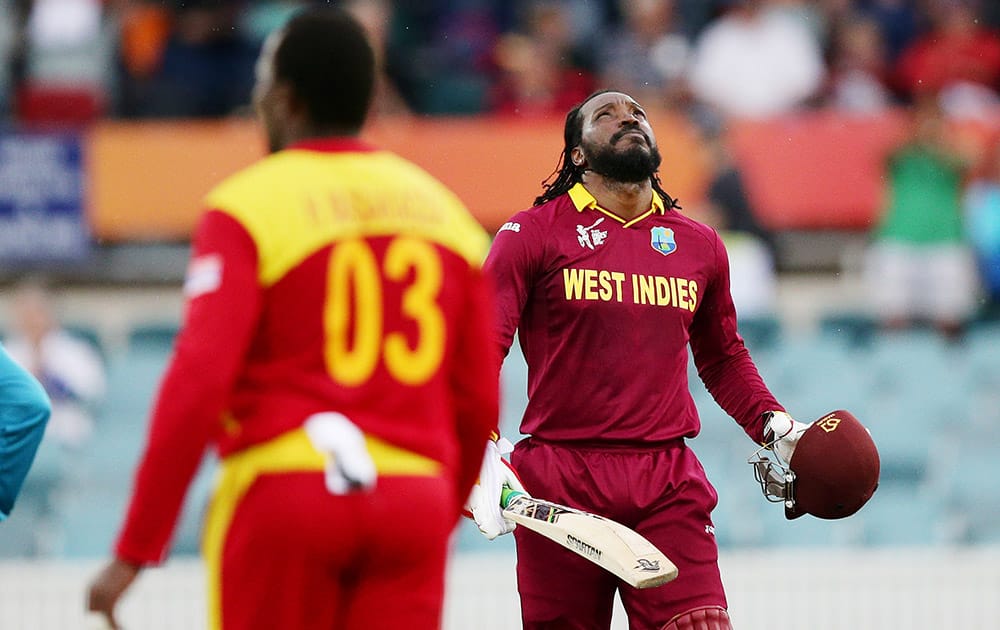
x: 296, y: 202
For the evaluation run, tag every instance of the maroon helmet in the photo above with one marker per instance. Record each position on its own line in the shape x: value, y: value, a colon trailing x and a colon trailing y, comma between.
x: 833, y: 471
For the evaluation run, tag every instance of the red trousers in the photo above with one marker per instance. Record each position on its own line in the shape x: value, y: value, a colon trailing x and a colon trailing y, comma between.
x: 661, y: 492
x: 282, y: 552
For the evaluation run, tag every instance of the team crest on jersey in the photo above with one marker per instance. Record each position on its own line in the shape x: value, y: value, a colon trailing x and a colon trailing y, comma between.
x: 662, y: 240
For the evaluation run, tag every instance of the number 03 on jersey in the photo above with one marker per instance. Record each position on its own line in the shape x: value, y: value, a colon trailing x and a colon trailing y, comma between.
x: 359, y: 334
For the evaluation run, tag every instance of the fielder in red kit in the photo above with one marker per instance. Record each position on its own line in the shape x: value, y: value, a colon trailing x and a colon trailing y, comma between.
x: 607, y: 285
x: 336, y: 352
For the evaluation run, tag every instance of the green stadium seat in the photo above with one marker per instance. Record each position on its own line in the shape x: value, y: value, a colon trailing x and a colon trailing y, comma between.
x: 21, y: 534
x: 155, y: 337
x: 904, y: 515
x: 760, y: 333
x: 88, y: 333
x: 467, y: 538
x: 807, y: 531
x: 967, y: 481
x: 850, y: 328
x: 89, y: 521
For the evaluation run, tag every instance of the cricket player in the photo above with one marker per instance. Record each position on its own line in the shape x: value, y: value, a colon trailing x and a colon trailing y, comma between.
x: 336, y: 352
x: 24, y: 412
x: 607, y: 285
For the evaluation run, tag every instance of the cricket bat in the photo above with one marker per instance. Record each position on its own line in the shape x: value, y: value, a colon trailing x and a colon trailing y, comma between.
x: 607, y: 543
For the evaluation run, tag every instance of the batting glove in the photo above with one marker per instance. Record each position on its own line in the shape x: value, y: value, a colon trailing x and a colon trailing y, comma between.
x: 484, y: 500
x: 783, y: 433
x: 349, y: 466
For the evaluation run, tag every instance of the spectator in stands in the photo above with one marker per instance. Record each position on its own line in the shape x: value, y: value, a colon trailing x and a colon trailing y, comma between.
x: 589, y: 20
x: 816, y: 16
x: 727, y: 208
x: 756, y: 61
x: 205, y: 70
x: 144, y: 28
x: 63, y: 51
x: 539, y: 75
x: 958, y: 58
x: 828, y: 15
x: 920, y: 267
x: 648, y: 55
x: 859, y: 79
x: 11, y: 24
x: 899, y: 22
x: 376, y: 17
x: 69, y: 367
x: 982, y: 210
x: 442, y: 54
x: 71, y: 373
x: 260, y: 17
x: 990, y: 14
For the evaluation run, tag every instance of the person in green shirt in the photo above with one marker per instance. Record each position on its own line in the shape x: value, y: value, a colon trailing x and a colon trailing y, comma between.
x: 919, y: 266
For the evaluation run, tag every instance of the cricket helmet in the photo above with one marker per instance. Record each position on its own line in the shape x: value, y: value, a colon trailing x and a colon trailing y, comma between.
x: 833, y: 471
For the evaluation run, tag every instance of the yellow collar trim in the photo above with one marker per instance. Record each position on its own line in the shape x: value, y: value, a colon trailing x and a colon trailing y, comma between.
x: 582, y: 199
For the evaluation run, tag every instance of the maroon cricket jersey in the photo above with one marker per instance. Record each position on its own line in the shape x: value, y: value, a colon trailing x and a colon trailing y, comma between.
x: 605, y: 309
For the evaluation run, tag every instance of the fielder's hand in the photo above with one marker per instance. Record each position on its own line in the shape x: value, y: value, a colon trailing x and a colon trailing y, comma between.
x: 108, y: 587
x: 484, y: 500
x: 783, y: 433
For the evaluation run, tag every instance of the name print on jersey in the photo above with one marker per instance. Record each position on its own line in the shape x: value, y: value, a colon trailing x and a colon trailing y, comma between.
x: 617, y: 286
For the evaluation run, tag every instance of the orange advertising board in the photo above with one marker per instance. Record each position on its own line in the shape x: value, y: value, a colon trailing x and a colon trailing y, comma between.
x: 147, y: 179
x: 817, y: 170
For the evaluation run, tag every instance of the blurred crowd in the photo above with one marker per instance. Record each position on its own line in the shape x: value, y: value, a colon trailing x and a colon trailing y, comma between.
x: 72, y: 62
x: 78, y: 60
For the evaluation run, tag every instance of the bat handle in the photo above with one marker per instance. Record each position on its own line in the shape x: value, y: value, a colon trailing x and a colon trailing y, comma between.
x: 508, y: 494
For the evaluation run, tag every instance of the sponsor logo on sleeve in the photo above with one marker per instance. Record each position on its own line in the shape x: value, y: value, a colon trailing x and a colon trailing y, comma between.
x: 204, y: 275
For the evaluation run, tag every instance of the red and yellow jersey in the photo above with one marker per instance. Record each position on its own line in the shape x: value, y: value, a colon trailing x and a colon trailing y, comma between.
x: 326, y: 277
x: 605, y: 310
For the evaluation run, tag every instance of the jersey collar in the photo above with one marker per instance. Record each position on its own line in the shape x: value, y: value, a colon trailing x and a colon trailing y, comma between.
x: 333, y: 144
x: 582, y: 200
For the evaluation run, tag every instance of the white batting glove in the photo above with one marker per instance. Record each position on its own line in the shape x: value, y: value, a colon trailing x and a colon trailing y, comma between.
x: 349, y: 466
x: 484, y: 500
x: 784, y: 432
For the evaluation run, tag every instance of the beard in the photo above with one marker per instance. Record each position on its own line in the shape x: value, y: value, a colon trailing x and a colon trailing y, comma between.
x: 632, y: 164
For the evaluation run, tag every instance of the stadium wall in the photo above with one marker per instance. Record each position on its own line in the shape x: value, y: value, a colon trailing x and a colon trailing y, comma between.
x: 916, y: 589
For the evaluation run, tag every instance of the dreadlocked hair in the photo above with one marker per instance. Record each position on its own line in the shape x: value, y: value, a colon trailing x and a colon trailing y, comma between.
x: 568, y: 174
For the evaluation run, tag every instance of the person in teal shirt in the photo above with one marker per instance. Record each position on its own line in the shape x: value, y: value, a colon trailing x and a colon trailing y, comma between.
x: 24, y: 412
x: 982, y: 213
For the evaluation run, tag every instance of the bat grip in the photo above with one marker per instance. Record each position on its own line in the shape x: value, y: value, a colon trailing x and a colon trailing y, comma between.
x: 508, y: 494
